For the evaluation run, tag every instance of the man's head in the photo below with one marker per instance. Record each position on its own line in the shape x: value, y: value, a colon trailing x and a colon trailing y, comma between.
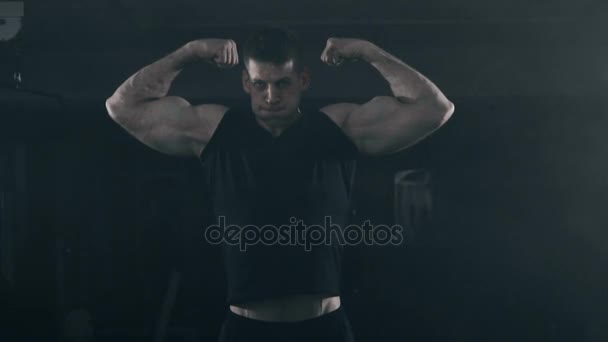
x: 274, y: 74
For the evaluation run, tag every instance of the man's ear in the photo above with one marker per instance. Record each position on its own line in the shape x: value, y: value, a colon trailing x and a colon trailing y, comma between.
x: 245, y: 81
x: 305, y: 78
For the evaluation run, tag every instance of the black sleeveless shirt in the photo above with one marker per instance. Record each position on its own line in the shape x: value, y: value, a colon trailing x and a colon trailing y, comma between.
x: 261, y: 184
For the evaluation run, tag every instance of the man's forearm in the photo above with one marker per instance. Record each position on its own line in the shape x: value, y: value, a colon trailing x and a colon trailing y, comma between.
x: 407, y: 84
x: 154, y: 80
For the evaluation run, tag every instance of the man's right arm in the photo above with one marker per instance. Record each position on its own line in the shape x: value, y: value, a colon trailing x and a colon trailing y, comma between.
x: 170, y: 124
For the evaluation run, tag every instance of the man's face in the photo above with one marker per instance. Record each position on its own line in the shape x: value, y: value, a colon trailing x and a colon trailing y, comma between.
x: 275, y: 90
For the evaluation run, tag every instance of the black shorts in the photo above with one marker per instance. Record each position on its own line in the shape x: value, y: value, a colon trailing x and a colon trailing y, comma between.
x: 333, y: 326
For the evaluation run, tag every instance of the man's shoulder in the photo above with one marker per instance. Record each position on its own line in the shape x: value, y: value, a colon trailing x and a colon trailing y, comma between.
x: 338, y: 112
x: 332, y: 129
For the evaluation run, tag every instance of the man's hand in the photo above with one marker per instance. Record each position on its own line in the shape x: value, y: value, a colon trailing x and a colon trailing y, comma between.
x: 221, y: 52
x: 337, y: 50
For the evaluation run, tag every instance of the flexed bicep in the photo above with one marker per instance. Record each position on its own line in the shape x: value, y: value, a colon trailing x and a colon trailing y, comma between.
x: 385, y: 125
x: 171, y: 125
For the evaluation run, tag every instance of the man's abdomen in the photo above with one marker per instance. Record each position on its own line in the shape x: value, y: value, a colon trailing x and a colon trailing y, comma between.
x: 288, y: 309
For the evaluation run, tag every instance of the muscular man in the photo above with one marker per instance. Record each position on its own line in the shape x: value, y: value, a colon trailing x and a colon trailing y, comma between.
x: 270, y: 163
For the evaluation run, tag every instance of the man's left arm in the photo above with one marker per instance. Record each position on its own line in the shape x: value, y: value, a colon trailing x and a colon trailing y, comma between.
x: 387, y: 124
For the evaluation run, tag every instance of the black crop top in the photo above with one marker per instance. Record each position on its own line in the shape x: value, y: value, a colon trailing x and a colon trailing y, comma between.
x: 257, y: 180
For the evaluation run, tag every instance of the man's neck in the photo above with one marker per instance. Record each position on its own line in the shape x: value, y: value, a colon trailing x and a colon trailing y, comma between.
x: 276, y: 127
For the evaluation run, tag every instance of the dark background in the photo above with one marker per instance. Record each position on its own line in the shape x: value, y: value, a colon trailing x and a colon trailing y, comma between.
x: 91, y: 219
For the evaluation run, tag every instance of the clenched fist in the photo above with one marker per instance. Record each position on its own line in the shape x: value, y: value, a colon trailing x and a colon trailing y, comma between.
x: 337, y: 50
x: 220, y: 52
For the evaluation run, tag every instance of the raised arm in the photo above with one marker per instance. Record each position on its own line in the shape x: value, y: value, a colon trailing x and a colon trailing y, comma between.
x: 387, y: 124
x: 170, y: 124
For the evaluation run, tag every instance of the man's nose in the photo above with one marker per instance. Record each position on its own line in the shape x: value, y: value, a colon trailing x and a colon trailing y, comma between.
x: 272, y: 95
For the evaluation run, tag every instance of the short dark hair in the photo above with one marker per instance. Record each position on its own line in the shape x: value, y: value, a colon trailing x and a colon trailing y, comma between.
x: 273, y: 44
